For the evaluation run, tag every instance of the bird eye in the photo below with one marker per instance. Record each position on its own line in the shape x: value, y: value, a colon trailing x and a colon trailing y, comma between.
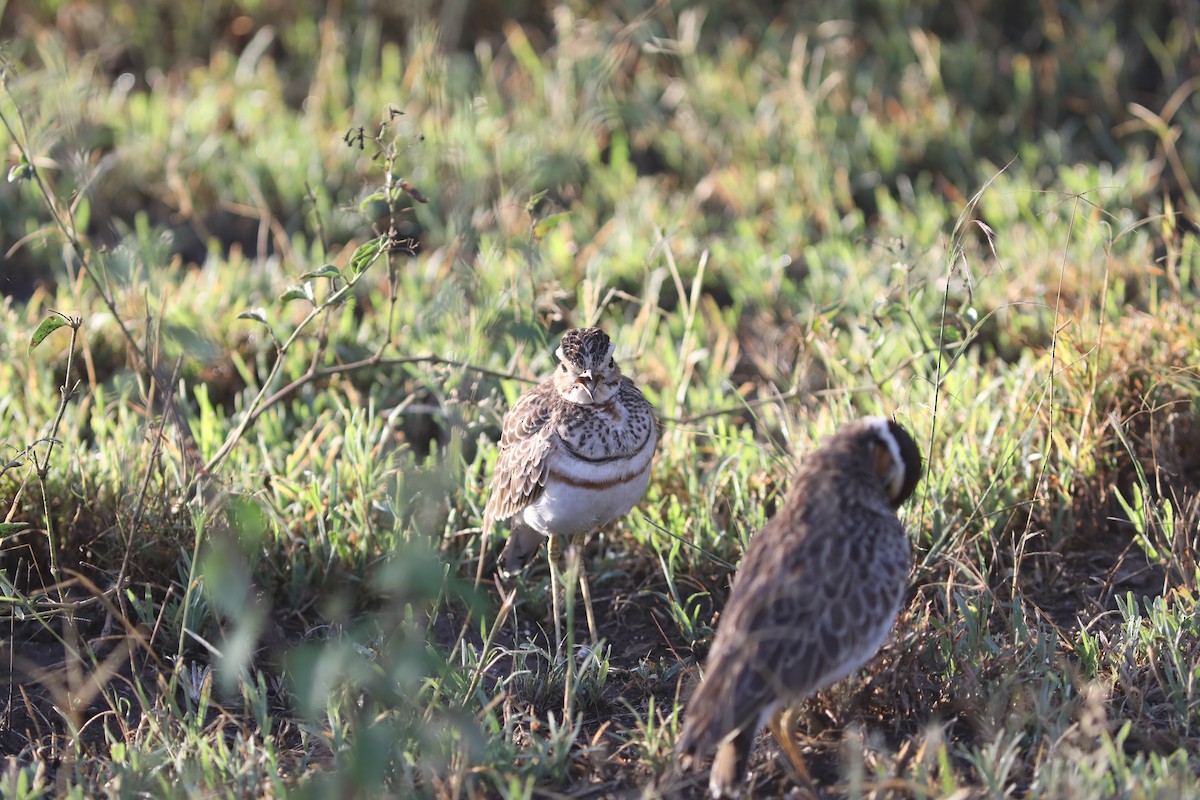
x: 563, y: 367
x: 612, y: 362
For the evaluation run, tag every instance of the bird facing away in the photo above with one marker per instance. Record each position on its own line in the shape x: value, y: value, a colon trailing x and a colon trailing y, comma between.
x: 814, y: 598
x: 575, y: 453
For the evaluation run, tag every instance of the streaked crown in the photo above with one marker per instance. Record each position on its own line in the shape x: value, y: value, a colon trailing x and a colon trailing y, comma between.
x: 585, y: 348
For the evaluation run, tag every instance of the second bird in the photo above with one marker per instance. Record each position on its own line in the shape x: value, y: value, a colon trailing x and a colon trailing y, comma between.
x: 814, y: 597
x: 575, y: 453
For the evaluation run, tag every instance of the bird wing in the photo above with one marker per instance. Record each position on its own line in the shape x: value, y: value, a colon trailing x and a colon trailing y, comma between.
x: 527, y: 440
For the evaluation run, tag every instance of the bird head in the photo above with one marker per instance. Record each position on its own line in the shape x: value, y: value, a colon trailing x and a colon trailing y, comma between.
x: 587, y: 373
x: 895, y: 458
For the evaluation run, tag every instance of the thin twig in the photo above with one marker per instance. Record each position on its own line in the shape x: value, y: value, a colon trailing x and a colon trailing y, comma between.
x: 42, y: 468
x: 140, y: 506
x: 344, y: 369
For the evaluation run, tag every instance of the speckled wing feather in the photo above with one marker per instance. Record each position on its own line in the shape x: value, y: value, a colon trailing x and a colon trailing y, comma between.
x: 526, y: 442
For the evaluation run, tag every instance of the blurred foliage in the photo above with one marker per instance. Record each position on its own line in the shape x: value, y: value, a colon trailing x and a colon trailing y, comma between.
x: 911, y: 96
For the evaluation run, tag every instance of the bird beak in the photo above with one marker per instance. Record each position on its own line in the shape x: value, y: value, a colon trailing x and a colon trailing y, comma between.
x: 589, y: 382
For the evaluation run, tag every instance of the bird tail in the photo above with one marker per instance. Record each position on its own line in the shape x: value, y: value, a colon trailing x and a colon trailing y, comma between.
x: 700, y: 733
x: 708, y: 726
x: 523, y: 542
x: 728, y: 771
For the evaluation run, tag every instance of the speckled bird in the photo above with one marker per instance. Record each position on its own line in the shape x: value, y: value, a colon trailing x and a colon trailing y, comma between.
x: 575, y: 453
x: 814, y: 598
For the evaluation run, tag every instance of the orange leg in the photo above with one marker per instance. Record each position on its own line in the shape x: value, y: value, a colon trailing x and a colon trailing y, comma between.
x: 781, y: 725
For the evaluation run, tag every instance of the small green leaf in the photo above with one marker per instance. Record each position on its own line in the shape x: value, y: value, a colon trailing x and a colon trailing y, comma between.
x: 366, y: 254
x: 7, y: 528
x: 297, y: 291
x: 548, y: 224
x: 371, y: 199
x: 327, y: 271
x: 534, y: 200
x: 21, y: 171
x: 49, y: 325
x: 257, y: 314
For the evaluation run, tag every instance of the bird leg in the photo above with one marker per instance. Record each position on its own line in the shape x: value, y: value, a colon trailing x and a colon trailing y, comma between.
x: 555, y: 582
x: 782, y: 723
x: 574, y: 570
x: 568, y: 588
x: 575, y: 561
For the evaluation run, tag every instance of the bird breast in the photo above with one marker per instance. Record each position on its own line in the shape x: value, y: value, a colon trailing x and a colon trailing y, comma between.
x: 597, y: 472
x: 571, y: 507
x: 609, y: 432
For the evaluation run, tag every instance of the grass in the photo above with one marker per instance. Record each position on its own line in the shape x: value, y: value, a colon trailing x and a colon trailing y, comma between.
x: 241, y: 491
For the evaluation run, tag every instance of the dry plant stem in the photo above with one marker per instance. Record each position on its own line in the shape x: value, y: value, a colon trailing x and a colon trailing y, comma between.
x: 43, y: 468
x: 132, y: 631
x: 393, y: 297
x: 798, y: 391
x: 322, y: 344
x: 259, y: 407
x: 1042, y: 483
x: 713, y: 557
x: 391, y: 183
x: 323, y: 332
x: 75, y: 688
x: 140, y: 506
x: 477, y: 675
x: 942, y: 368
x: 585, y: 590
x: 12, y: 637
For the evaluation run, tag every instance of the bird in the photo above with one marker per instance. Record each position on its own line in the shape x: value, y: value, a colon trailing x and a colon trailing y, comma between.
x: 575, y: 455
x: 814, y: 598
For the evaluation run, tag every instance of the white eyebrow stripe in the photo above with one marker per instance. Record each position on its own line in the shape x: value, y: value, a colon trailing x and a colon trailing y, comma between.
x: 896, y: 473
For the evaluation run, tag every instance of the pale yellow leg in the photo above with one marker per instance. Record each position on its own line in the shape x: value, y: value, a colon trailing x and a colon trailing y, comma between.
x: 555, y: 582
x: 574, y: 559
x: 781, y: 725
x: 574, y: 568
x: 568, y: 588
